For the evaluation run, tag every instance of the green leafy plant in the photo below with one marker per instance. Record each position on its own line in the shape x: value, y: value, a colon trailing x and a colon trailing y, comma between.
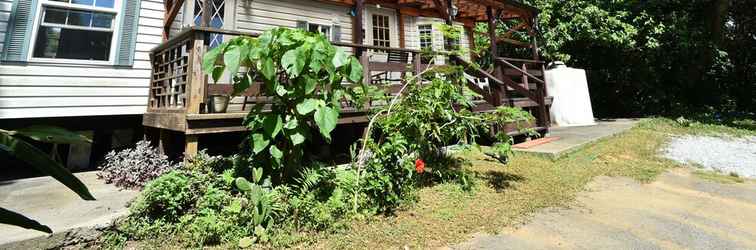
x: 302, y: 73
x: 416, y: 125
x: 14, y: 144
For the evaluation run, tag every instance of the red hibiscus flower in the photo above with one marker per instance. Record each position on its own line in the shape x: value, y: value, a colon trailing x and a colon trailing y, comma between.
x: 419, y: 166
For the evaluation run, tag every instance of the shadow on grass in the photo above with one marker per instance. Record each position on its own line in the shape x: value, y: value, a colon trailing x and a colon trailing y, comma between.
x: 499, y: 180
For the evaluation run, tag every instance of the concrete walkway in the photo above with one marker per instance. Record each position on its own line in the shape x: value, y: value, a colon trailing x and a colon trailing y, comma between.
x: 678, y: 211
x: 572, y: 138
x: 53, y: 204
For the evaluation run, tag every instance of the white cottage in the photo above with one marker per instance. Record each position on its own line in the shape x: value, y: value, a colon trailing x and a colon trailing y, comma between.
x: 85, y: 64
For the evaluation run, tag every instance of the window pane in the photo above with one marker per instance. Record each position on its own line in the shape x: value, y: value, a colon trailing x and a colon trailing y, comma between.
x: 102, y: 20
x: 104, y: 3
x: 79, y: 18
x: 55, y: 42
x: 55, y: 16
x: 325, y: 30
x: 65, y: 1
x: 83, y: 2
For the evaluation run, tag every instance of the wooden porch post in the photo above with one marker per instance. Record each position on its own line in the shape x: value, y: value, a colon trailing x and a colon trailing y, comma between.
x: 196, y: 88
x: 206, y: 13
x: 471, y: 40
x: 449, y: 22
x: 496, y: 89
x: 357, y: 25
x: 400, y: 23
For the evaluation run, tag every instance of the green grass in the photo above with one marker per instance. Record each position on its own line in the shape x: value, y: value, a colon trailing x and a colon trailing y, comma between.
x: 719, y: 177
x: 506, y: 195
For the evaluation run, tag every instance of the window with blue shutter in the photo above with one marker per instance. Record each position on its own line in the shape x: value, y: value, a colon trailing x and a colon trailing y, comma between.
x: 19, y: 28
x: 75, y: 31
x: 129, y: 25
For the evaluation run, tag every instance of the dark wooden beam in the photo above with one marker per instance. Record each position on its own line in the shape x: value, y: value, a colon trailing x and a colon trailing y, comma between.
x: 497, y: 89
x: 357, y: 25
x: 171, y: 11
x: 400, y: 22
x: 206, y: 13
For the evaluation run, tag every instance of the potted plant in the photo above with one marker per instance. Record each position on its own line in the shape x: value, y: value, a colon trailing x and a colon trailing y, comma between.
x: 218, y: 103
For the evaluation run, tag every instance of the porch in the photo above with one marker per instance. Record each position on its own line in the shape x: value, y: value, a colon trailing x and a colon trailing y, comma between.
x: 180, y: 91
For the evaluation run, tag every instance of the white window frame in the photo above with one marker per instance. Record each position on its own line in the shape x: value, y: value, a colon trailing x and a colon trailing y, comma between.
x: 229, y: 14
x: 328, y: 36
x: 420, y: 35
x: 115, y: 27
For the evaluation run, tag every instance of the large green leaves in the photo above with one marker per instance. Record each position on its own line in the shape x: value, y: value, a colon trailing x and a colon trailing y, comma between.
x: 326, y: 119
x: 52, y: 134
x: 37, y: 159
x: 307, y: 106
x: 355, y: 70
x: 340, y: 58
x: 293, y: 61
x: 209, y: 59
x: 232, y: 58
x: 16, y: 219
x: 268, y: 69
x: 302, y: 74
x: 272, y: 124
x: 259, y: 142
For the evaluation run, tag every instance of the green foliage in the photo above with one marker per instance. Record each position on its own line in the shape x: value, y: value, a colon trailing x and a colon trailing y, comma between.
x: 671, y: 58
x: 323, y: 198
x: 166, y: 198
x: 303, y: 73
x: 12, y: 143
x: 417, y: 126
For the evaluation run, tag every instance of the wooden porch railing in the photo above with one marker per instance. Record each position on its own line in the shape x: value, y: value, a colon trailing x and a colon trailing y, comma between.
x: 507, y: 76
x: 178, y: 84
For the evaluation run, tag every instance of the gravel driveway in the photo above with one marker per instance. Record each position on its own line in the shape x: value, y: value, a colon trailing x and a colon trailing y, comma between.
x: 725, y: 154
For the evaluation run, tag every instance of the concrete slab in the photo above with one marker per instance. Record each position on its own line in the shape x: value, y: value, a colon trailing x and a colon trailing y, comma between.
x: 53, y: 204
x: 572, y: 138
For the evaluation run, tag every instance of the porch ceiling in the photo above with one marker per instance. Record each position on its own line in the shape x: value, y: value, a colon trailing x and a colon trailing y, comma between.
x: 470, y: 11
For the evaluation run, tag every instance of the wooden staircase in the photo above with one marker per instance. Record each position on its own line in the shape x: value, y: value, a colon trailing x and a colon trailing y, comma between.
x: 513, y: 82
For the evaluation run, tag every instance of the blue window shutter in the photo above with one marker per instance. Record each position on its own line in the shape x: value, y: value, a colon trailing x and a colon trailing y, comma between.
x: 336, y: 36
x: 17, y: 42
x: 127, y: 42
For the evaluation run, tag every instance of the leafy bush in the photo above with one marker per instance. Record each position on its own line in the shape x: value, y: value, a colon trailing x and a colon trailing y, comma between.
x: 134, y: 167
x: 302, y: 72
x: 270, y: 190
x: 412, y: 131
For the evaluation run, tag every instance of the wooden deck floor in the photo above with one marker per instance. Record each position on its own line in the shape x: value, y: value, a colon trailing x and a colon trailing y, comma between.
x: 198, y: 124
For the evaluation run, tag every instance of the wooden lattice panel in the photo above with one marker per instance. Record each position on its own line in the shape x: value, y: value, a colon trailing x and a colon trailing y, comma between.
x: 170, y: 68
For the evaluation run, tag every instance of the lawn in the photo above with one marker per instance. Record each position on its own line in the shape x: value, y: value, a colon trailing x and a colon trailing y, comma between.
x: 506, y: 195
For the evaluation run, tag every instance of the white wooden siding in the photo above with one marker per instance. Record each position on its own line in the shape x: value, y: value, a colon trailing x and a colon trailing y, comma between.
x: 5, y: 9
x: 261, y: 15
x: 52, y: 90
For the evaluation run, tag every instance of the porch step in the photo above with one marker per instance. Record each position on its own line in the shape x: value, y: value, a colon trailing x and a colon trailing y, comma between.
x: 536, y: 142
x: 522, y: 102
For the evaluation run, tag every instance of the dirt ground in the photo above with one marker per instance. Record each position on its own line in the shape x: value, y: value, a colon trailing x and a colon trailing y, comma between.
x: 677, y: 211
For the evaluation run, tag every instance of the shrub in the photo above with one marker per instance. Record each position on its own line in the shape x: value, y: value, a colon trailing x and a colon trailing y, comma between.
x: 167, y: 197
x: 134, y: 167
x: 302, y: 73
